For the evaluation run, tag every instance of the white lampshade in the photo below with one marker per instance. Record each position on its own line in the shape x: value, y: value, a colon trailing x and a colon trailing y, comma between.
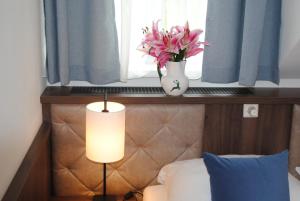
x: 105, y: 132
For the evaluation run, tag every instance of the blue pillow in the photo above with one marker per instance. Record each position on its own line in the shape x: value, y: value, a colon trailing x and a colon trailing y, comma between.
x: 248, y: 179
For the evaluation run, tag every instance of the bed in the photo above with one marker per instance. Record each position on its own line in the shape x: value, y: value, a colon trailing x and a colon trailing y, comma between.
x: 159, y: 192
x: 181, y: 181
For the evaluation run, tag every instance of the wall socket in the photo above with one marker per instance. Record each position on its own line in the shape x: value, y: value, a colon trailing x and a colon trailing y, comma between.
x: 250, y: 111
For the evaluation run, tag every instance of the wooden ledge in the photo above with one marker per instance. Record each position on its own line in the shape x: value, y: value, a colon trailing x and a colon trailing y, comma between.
x: 64, y: 95
x: 120, y: 198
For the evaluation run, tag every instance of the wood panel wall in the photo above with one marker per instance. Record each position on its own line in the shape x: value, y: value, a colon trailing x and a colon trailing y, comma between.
x: 32, y: 181
x: 227, y: 132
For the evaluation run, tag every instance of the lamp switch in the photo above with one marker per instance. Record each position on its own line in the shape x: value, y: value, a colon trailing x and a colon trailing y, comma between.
x: 250, y: 111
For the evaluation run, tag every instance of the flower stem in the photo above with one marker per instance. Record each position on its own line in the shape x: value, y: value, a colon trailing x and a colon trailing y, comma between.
x: 159, y: 72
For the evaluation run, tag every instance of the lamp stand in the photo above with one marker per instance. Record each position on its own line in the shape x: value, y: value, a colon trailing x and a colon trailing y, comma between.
x: 104, y: 196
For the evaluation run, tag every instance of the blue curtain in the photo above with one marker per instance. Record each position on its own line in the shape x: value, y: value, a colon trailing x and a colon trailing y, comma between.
x: 244, y: 41
x: 81, y: 40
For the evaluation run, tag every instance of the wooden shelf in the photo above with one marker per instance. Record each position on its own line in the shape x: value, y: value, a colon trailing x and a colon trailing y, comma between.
x: 64, y: 95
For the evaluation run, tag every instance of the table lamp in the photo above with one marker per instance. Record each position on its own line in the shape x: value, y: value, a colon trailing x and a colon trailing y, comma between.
x: 105, y: 137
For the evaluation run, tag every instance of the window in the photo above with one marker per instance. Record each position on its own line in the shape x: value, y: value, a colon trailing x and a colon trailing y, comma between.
x: 133, y: 15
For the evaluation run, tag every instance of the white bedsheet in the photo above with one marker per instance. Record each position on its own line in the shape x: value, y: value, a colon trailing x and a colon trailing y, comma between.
x: 159, y: 193
x: 294, y: 188
x: 298, y: 170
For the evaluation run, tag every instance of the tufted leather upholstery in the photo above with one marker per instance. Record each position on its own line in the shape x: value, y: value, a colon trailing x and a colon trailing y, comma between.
x: 155, y: 135
x: 294, y: 160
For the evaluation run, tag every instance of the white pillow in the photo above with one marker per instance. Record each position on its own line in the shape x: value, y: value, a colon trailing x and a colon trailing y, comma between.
x: 189, y: 183
x: 298, y: 170
x: 170, y: 169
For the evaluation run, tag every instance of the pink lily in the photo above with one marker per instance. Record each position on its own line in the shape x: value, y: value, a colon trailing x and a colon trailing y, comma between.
x: 179, y: 43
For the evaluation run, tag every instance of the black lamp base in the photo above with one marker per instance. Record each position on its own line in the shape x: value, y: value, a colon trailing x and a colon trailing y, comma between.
x: 105, y: 198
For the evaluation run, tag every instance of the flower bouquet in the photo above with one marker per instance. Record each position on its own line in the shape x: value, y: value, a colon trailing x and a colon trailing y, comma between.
x: 171, y: 49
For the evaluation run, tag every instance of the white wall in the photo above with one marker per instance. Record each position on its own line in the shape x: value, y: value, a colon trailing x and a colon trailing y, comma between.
x: 20, y: 83
x: 290, y: 40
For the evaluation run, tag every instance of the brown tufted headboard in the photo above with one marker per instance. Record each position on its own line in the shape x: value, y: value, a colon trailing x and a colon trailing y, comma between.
x: 155, y: 135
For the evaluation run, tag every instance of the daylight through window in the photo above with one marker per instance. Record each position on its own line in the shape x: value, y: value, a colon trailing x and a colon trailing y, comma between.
x: 133, y: 15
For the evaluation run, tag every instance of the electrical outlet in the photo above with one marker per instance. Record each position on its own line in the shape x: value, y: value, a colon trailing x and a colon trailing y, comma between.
x: 250, y: 111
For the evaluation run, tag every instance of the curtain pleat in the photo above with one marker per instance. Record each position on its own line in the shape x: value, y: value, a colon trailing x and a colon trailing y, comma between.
x: 81, y: 41
x: 244, y: 41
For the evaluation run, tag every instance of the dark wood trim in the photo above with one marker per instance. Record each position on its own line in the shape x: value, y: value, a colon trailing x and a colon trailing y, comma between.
x: 79, y: 198
x: 227, y: 132
x: 46, y: 110
x: 32, y: 180
x: 63, y: 95
x: 71, y: 198
x: 222, y: 128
